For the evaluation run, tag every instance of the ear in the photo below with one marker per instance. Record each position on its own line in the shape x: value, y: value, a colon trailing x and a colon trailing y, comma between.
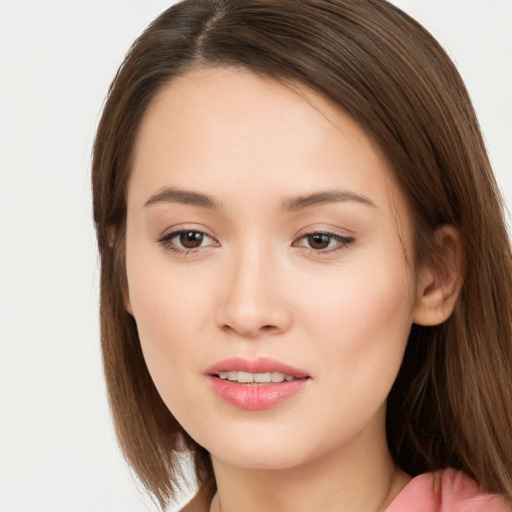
x: 439, y: 283
x: 111, y: 239
x: 126, y: 300
x: 126, y: 295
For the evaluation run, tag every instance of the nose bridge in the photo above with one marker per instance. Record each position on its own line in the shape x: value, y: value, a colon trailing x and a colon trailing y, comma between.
x: 252, y: 302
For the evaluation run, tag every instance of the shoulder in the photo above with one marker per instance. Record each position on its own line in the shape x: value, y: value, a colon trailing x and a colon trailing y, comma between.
x: 446, y: 491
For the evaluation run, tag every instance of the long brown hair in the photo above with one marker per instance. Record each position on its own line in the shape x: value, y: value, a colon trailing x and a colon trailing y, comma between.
x: 451, y: 404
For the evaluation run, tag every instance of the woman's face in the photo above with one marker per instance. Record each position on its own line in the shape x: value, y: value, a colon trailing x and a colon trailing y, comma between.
x: 265, y: 241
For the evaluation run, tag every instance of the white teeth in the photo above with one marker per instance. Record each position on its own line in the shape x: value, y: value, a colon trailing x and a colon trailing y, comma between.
x: 263, y: 377
x: 245, y: 377
x: 277, y: 377
x: 260, y: 378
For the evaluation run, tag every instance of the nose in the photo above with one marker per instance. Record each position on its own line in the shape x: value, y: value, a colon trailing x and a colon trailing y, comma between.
x: 254, y: 296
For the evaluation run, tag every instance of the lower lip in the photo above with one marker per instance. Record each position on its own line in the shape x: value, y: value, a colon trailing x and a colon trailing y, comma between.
x: 256, y: 396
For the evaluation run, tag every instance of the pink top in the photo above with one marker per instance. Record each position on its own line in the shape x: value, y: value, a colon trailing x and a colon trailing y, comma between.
x: 445, y: 491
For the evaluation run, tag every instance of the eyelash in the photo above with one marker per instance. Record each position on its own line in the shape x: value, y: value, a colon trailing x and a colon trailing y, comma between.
x: 167, y: 243
x: 342, y: 242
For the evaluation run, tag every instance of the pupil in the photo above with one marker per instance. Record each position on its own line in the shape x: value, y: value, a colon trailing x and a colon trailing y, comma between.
x: 191, y: 239
x: 318, y: 241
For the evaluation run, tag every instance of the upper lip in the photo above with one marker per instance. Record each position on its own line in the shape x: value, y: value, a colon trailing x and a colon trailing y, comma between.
x: 259, y: 365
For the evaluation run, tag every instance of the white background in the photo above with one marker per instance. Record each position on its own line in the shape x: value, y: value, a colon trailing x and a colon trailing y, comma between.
x: 57, y: 58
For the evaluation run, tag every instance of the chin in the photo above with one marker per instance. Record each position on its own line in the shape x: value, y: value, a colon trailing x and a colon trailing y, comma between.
x: 260, y: 457
x: 265, y: 447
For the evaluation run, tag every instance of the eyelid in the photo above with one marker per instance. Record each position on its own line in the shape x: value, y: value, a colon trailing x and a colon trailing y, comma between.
x: 344, y: 241
x: 166, y: 238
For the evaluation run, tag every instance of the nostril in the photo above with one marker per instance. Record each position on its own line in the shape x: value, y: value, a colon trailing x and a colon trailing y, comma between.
x: 268, y: 328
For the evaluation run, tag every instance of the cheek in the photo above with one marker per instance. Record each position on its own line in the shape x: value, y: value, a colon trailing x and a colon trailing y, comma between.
x: 361, y: 323
x: 167, y: 323
x: 166, y: 299
x: 169, y: 313
x: 162, y: 307
x: 166, y: 306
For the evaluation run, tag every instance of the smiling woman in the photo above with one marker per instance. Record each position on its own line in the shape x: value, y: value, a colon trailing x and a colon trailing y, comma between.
x: 306, y: 276
x: 278, y: 269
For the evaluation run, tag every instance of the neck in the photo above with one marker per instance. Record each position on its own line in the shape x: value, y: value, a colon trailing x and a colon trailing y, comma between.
x: 356, y: 478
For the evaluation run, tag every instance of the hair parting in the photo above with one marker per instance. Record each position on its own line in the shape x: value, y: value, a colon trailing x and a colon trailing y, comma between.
x: 451, y: 404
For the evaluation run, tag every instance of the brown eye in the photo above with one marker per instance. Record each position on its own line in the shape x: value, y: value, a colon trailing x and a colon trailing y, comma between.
x: 319, y: 241
x: 191, y: 239
x: 186, y: 241
x: 324, y: 243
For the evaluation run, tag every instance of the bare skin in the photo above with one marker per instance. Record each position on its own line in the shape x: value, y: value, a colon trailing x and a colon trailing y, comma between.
x: 203, y: 501
x: 263, y: 223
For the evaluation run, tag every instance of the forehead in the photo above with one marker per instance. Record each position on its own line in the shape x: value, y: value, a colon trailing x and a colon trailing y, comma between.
x: 225, y: 129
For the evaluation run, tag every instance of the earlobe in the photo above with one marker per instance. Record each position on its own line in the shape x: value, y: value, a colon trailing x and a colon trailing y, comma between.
x: 126, y: 302
x: 440, y: 282
x: 111, y: 240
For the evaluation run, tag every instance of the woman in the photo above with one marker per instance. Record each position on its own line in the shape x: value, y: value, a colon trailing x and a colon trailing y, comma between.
x: 306, y: 276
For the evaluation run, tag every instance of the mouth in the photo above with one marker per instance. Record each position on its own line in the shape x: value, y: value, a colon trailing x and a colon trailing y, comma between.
x: 256, y: 378
x: 256, y: 371
x: 256, y: 384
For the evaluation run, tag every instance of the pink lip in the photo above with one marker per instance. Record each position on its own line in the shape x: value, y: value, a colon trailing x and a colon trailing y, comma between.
x: 260, y: 365
x: 256, y: 396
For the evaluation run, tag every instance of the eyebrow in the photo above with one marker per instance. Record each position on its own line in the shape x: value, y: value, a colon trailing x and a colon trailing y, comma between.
x: 294, y: 204
x: 173, y: 195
